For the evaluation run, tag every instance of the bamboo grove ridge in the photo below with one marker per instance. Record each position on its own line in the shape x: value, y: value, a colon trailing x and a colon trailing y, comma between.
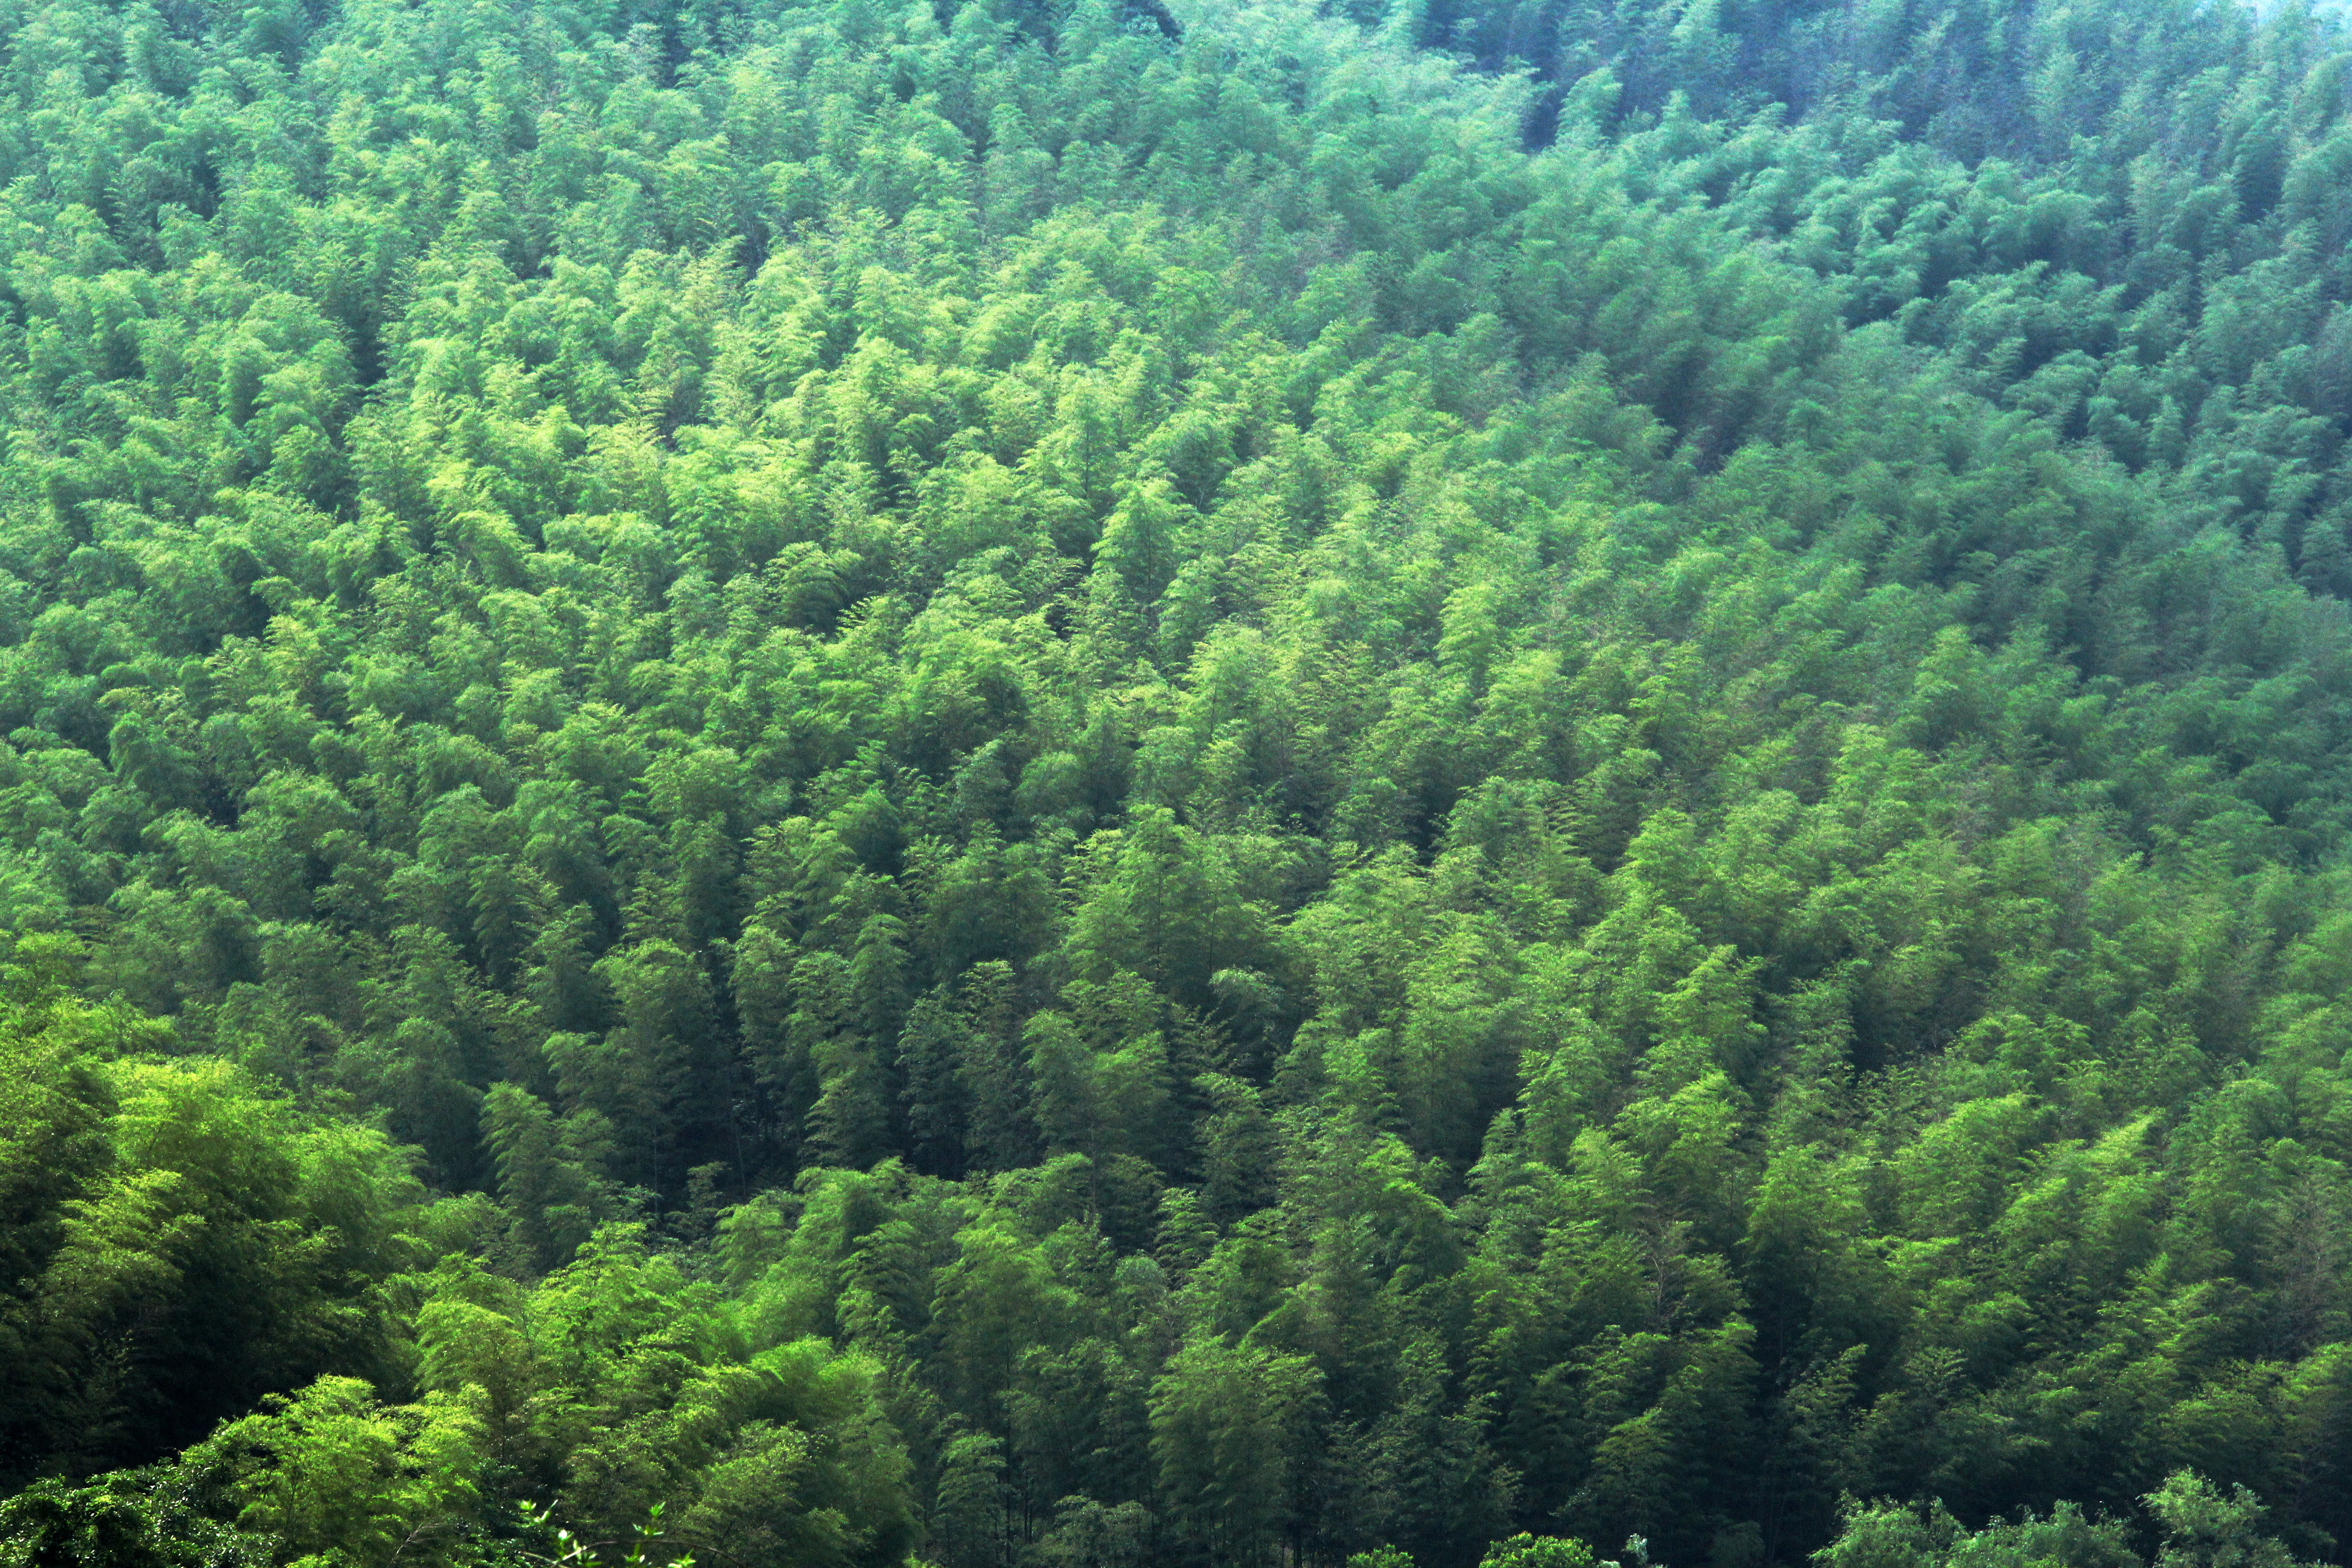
x: 1092, y: 784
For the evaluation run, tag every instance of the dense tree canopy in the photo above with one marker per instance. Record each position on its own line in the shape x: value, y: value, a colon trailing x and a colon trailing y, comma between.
x: 1047, y: 783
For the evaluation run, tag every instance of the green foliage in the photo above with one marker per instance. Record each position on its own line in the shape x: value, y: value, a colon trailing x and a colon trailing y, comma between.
x: 2197, y: 1520
x: 338, y: 1479
x: 1073, y: 784
x: 160, y: 1517
x: 181, y: 1239
x: 1537, y: 1551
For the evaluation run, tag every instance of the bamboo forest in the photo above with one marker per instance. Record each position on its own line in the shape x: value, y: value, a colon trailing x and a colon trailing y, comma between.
x: 1175, y: 784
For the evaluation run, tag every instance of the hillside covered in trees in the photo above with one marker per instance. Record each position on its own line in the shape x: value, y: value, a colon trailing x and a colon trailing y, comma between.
x: 1102, y: 786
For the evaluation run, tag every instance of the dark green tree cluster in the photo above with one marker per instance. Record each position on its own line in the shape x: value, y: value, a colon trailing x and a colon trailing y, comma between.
x: 1074, y: 784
